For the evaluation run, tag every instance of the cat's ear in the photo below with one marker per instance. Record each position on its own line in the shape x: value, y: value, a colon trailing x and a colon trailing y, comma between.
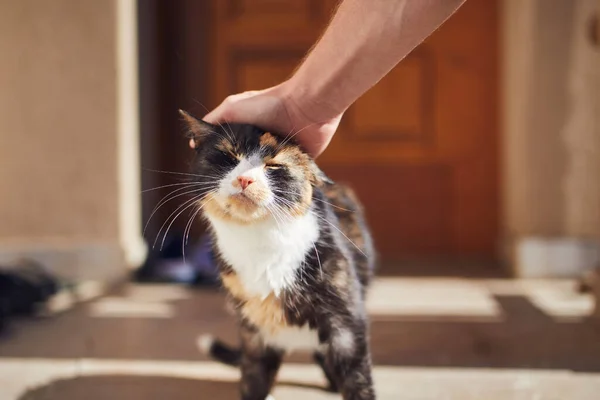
x: 197, y: 129
x: 319, y: 177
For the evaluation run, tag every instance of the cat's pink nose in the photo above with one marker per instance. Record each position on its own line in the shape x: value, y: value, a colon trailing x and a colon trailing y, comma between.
x: 244, y: 181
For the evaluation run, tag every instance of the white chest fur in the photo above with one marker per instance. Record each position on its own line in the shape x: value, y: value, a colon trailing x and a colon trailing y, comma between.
x: 266, y: 255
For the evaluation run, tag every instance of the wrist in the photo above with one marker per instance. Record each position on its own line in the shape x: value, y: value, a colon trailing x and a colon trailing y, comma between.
x: 308, y: 101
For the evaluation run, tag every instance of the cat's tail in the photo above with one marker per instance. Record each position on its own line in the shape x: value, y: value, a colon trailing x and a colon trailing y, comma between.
x: 220, y: 351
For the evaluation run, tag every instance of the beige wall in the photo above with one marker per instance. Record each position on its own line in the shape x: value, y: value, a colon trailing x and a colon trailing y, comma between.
x: 551, y: 163
x: 57, y: 119
x: 537, y: 40
x: 581, y: 132
x: 60, y: 126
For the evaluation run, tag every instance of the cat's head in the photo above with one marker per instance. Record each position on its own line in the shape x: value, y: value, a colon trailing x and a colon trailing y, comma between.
x: 245, y: 174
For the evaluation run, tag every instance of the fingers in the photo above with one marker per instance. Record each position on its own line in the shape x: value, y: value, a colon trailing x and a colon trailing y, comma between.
x: 231, y: 109
x: 216, y: 115
x: 313, y: 142
x: 267, y: 110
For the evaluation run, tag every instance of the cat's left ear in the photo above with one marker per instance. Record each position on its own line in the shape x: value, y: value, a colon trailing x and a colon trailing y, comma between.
x: 319, y: 177
x: 197, y: 129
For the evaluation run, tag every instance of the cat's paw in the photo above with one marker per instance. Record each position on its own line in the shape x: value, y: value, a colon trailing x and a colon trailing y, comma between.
x: 270, y: 397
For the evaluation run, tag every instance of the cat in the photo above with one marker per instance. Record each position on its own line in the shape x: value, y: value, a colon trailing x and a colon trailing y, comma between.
x: 295, y: 257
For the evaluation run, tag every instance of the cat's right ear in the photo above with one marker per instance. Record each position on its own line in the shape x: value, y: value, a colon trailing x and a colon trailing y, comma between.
x: 197, y: 129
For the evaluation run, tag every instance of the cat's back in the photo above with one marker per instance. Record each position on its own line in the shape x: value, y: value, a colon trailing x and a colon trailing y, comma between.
x: 352, y: 222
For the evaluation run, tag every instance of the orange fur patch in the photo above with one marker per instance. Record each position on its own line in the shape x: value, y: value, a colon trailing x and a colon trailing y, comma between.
x: 267, y: 314
x: 213, y: 208
x: 298, y: 164
x: 268, y: 140
x: 292, y: 156
x: 226, y: 146
x: 304, y: 204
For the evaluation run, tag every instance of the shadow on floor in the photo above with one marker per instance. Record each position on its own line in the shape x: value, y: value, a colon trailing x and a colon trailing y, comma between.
x: 526, y: 337
x: 132, y: 388
x: 146, y: 388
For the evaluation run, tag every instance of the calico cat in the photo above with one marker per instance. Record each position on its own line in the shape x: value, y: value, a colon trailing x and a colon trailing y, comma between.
x: 294, y: 253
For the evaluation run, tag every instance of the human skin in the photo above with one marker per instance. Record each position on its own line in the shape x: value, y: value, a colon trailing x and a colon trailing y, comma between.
x: 363, y: 42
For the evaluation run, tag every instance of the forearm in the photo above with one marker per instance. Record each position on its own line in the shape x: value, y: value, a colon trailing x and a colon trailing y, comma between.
x: 364, y: 41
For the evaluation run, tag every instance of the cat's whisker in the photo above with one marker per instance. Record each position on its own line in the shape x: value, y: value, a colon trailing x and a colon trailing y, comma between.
x: 185, y: 204
x: 169, y: 196
x: 273, y: 212
x: 335, y: 227
x: 287, y: 203
x: 333, y: 205
x: 183, y: 240
x: 190, y: 184
x: 207, y: 111
x: 169, y: 185
x: 285, y: 214
x: 177, y: 216
x: 179, y: 173
x: 166, y: 198
x: 315, y: 199
x: 284, y: 141
x: 318, y: 260
x: 226, y: 138
x: 186, y: 232
x: 313, y: 245
x: 172, y: 197
x: 290, y: 137
x: 188, y: 227
x: 230, y: 133
x: 343, y: 234
x: 200, y: 104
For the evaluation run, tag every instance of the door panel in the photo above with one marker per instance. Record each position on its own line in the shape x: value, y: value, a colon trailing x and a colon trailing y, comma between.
x: 420, y: 147
x: 399, y: 107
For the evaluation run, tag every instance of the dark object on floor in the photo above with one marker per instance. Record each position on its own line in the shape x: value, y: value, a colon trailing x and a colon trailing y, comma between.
x: 23, y: 288
x: 196, y: 267
x: 589, y: 280
x: 590, y: 283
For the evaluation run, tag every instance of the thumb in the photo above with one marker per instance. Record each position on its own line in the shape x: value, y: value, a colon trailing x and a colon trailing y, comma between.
x: 217, y: 115
x: 232, y: 109
x: 261, y: 110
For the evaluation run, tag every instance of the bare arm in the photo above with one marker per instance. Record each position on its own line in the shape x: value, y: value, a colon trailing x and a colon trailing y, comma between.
x: 364, y: 41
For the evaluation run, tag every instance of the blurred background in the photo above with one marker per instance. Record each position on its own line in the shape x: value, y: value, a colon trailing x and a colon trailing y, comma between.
x: 477, y: 159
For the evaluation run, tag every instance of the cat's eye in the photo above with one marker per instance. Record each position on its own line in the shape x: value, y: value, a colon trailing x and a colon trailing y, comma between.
x: 273, y: 166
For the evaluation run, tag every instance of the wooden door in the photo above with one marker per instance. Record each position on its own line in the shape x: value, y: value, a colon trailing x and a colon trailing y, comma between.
x: 420, y: 147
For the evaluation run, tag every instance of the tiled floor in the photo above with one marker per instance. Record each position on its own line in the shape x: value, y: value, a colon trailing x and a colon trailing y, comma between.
x: 432, y: 339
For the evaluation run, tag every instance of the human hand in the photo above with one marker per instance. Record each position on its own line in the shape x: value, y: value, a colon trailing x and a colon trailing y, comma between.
x: 275, y: 110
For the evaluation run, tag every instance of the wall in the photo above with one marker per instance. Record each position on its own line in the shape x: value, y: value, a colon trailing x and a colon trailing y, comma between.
x: 61, y: 132
x: 551, y: 167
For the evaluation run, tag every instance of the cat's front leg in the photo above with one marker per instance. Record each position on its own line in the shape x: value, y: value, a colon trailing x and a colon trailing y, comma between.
x: 350, y: 360
x: 259, y: 365
x: 320, y: 357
